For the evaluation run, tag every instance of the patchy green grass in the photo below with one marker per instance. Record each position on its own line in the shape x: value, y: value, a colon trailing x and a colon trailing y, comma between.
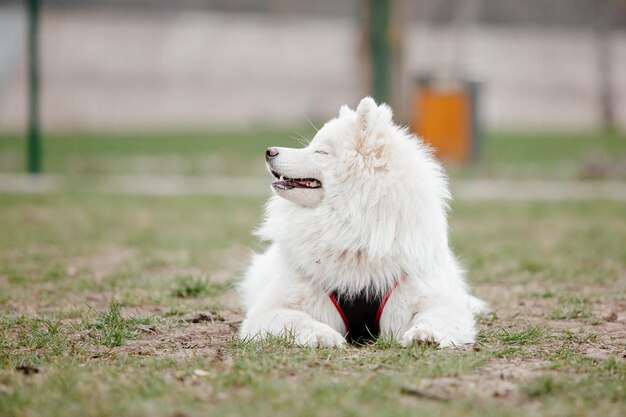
x: 541, y: 387
x: 550, y: 155
x: 164, y: 153
x: 503, y: 155
x: 506, y: 336
x: 117, y: 305
x: 190, y: 286
x: 571, y: 308
x: 111, y: 328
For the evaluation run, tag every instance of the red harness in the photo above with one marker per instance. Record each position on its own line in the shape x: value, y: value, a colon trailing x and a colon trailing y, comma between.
x: 361, y: 313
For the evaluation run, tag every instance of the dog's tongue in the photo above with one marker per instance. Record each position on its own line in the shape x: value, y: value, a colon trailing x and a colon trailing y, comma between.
x: 288, y: 183
x: 309, y: 183
x: 282, y: 185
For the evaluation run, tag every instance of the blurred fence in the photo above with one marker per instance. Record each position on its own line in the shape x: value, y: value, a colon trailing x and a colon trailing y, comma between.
x: 190, y: 64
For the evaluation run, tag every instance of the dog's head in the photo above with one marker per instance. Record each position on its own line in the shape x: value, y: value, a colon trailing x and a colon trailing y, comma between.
x: 344, y: 153
x: 364, y: 187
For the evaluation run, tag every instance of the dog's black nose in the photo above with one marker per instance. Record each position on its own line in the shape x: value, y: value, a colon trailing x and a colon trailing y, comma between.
x: 270, y: 153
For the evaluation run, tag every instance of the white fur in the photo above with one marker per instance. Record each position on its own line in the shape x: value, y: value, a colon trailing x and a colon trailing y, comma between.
x: 381, y: 211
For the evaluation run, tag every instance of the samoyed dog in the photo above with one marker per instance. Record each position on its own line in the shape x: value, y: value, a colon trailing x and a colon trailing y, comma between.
x: 359, y: 241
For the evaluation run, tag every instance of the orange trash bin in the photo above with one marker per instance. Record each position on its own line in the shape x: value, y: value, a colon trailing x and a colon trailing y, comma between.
x: 445, y: 117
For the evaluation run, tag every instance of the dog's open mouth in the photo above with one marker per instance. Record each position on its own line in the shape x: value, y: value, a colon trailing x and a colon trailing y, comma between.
x: 284, y: 183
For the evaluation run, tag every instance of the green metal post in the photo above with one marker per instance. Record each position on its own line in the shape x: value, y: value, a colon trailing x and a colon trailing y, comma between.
x: 380, y: 49
x: 33, y: 163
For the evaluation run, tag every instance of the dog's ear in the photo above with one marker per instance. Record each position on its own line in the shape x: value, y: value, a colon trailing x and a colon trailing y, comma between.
x: 372, y: 117
x: 345, y: 111
x: 373, y: 124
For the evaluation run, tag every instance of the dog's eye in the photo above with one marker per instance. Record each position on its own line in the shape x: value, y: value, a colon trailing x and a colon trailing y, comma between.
x: 322, y: 152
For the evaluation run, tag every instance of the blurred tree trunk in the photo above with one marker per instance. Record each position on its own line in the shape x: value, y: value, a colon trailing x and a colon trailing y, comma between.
x: 382, y: 27
x: 602, y: 26
x: 33, y: 153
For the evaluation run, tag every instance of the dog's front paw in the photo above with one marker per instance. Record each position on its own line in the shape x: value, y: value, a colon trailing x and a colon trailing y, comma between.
x: 424, y: 333
x: 319, y: 336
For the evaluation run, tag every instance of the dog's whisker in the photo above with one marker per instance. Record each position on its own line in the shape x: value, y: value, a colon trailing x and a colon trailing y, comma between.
x: 311, y: 123
x: 299, y: 140
x: 307, y: 141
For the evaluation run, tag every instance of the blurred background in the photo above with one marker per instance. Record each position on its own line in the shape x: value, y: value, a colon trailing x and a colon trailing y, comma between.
x: 503, y: 89
x: 132, y: 138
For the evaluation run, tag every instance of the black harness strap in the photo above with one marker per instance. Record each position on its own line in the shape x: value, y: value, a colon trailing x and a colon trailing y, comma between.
x: 361, y: 313
x: 359, y: 316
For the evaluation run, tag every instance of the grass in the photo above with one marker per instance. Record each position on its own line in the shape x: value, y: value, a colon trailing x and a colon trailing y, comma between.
x: 503, y: 155
x: 111, y: 328
x: 123, y: 305
x: 189, y: 286
x: 570, y: 308
x: 549, y: 155
x: 165, y: 153
x: 97, y: 292
x: 524, y: 336
x: 541, y: 387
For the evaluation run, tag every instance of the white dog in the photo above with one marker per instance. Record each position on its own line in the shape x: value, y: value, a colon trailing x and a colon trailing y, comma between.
x: 358, y: 226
